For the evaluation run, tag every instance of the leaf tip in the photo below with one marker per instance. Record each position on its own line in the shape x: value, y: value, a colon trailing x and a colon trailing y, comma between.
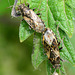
x: 21, y: 41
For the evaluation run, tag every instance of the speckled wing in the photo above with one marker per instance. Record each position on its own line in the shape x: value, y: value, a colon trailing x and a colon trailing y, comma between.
x: 49, y: 36
x: 39, y: 24
x: 30, y: 22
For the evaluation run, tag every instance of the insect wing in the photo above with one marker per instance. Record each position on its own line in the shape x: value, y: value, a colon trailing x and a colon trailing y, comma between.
x: 39, y: 25
x: 48, y: 36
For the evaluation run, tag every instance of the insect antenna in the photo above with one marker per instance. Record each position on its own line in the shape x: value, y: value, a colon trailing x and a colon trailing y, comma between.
x: 61, y: 71
x: 10, y: 6
x: 58, y: 33
x: 9, y: 2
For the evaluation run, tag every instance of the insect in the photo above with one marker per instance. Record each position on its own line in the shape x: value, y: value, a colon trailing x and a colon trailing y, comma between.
x: 50, y: 41
x: 51, y: 46
x: 29, y: 16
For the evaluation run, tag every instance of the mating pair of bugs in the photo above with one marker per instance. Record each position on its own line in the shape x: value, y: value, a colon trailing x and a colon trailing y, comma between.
x: 50, y: 41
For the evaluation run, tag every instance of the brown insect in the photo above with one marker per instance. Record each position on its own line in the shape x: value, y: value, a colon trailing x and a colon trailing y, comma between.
x: 51, y: 46
x: 30, y: 17
x: 50, y: 41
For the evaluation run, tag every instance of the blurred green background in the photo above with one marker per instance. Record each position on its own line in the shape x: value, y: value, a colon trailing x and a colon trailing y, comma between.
x: 15, y: 57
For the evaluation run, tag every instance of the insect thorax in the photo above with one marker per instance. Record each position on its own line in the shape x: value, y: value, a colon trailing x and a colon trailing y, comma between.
x: 23, y: 9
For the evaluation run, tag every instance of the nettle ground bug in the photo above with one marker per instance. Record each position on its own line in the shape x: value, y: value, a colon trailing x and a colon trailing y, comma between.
x: 50, y: 41
x: 29, y: 16
x: 51, y: 46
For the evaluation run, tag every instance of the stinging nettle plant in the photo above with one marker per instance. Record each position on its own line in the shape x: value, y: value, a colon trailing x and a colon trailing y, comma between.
x: 53, y: 13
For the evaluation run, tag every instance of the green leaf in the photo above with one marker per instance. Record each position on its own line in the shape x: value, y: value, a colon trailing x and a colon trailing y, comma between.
x: 24, y: 31
x: 68, y: 52
x: 62, y: 14
x: 50, y: 69
x: 38, y: 55
x: 62, y: 69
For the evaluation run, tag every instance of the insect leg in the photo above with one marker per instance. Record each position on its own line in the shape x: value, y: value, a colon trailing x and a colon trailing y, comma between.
x: 58, y: 43
x: 34, y: 9
x: 61, y: 40
x: 64, y: 60
x: 62, y: 44
x: 62, y: 71
x: 37, y: 9
x: 23, y: 19
x: 60, y: 48
x: 38, y: 13
x: 58, y: 33
x: 40, y: 9
x: 28, y: 5
x: 55, y: 73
